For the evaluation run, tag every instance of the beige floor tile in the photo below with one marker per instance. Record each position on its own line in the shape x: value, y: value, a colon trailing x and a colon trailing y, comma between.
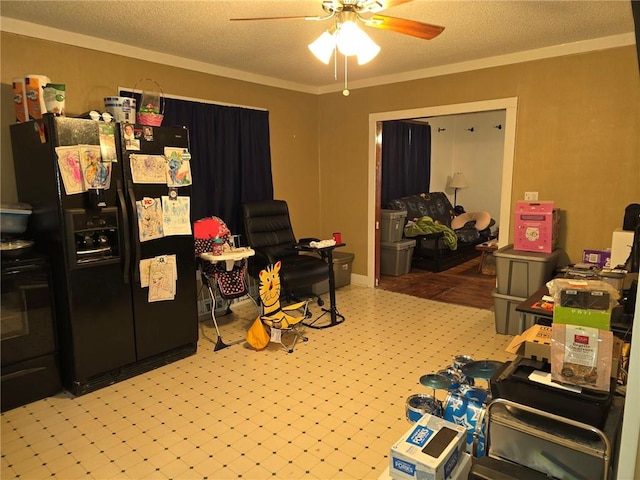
x: 331, y: 410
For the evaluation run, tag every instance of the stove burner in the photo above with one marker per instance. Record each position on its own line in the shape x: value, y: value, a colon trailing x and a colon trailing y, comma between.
x: 17, y: 251
x: 13, y: 245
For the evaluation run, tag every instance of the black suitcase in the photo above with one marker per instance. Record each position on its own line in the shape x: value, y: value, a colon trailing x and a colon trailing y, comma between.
x: 512, y: 383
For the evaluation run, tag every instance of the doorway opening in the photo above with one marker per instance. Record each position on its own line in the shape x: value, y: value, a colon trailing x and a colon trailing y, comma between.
x: 509, y: 105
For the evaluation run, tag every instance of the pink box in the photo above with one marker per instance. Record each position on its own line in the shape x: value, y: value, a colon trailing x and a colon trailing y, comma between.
x: 537, y: 227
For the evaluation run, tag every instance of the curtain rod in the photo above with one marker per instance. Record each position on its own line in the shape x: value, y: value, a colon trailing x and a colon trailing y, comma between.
x: 200, y: 100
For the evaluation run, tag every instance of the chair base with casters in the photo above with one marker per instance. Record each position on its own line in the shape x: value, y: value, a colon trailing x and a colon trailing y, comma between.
x: 281, y: 321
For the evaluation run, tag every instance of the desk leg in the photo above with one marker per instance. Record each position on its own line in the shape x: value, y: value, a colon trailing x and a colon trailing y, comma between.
x: 336, y: 317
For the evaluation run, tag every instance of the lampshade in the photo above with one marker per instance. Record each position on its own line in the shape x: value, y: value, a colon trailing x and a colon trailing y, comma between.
x: 458, y: 181
x: 368, y: 51
x: 349, y: 38
x: 323, y: 47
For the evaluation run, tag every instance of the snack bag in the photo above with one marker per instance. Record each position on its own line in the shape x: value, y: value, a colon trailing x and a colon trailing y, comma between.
x: 581, y: 356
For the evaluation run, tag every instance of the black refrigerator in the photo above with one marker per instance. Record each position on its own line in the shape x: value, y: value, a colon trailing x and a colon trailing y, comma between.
x: 109, y: 329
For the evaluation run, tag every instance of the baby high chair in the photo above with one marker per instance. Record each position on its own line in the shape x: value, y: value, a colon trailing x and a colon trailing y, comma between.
x: 211, y: 234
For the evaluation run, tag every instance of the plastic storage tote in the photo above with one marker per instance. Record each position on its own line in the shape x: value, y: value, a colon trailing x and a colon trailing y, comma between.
x: 508, y: 321
x: 395, y: 257
x: 392, y: 225
x: 520, y: 274
x: 342, y: 264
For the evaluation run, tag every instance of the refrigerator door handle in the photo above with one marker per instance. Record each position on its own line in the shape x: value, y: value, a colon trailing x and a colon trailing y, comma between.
x: 136, y: 235
x: 125, y: 228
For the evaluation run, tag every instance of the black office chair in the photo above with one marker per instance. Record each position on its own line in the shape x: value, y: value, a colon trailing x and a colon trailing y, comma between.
x: 267, y: 229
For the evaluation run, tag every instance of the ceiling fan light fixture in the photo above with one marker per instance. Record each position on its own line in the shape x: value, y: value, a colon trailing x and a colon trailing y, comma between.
x: 367, y: 51
x: 323, y: 47
x: 349, y: 38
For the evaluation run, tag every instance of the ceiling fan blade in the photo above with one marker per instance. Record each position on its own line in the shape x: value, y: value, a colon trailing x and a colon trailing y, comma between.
x: 299, y: 17
x: 402, y: 25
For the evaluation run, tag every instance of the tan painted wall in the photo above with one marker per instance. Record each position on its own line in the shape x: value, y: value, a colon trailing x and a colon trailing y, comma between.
x: 90, y: 76
x: 577, y: 140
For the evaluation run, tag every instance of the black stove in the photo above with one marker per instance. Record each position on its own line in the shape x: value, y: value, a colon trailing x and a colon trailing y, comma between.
x: 27, y: 329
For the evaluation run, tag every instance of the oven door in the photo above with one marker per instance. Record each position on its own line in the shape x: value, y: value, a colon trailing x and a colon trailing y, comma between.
x: 26, y: 313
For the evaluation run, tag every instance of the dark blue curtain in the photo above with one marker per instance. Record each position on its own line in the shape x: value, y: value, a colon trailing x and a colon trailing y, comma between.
x: 406, y: 159
x: 230, y: 157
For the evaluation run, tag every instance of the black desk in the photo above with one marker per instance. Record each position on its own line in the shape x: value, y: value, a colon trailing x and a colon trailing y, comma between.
x: 336, y: 318
x: 533, y: 306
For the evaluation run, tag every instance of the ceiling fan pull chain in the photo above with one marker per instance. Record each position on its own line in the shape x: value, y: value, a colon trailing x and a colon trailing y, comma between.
x: 345, y: 92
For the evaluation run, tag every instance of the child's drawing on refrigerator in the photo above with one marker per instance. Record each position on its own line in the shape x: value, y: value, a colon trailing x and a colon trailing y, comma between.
x: 162, y: 284
x: 149, y: 218
x: 70, y: 169
x: 176, y: 215
x: 148, y: 168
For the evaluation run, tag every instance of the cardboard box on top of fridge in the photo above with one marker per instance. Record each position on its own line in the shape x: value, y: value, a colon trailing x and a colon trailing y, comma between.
x: 537, y: 227
x: 35, y: 99
x: 535, y: 343
x: 430, y: 450
x: 20, y: 100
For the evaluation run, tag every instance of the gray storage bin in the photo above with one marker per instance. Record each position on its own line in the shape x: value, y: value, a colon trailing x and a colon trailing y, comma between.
x: 342, y: 264
x: 521, y: 273
x: 508, y: 321
x: 395, y: 257
x: 392, y: 225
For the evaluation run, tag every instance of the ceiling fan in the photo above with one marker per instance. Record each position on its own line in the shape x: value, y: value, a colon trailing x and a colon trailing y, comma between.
x: 345, y: 36
x: 349, y: 10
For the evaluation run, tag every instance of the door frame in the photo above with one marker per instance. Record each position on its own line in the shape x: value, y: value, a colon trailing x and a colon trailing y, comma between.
x: 510, y: 105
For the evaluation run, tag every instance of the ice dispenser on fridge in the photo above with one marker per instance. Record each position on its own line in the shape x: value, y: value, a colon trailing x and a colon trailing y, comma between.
x: 93, y: 236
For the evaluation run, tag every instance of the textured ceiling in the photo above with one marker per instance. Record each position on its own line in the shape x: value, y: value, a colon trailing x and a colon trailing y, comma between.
x: 201, y: 31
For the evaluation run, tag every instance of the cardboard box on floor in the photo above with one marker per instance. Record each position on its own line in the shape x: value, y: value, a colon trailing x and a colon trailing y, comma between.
x: 535, y: 343
x: 430, y: 450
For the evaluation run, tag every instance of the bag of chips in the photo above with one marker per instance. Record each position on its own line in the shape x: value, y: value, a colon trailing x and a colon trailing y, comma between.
x: 581, y: 356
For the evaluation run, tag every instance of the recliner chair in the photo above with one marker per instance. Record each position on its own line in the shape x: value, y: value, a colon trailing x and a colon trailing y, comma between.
x: 268, y: 230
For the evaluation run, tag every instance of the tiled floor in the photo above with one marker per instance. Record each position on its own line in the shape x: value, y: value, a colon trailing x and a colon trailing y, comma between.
x: 330, y: 410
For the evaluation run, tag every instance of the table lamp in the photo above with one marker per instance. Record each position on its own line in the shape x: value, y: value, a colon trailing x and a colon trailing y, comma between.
x: 457, y: 182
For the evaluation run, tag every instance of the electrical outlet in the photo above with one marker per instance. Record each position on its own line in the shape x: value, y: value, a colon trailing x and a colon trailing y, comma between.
x: 530, y: 196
